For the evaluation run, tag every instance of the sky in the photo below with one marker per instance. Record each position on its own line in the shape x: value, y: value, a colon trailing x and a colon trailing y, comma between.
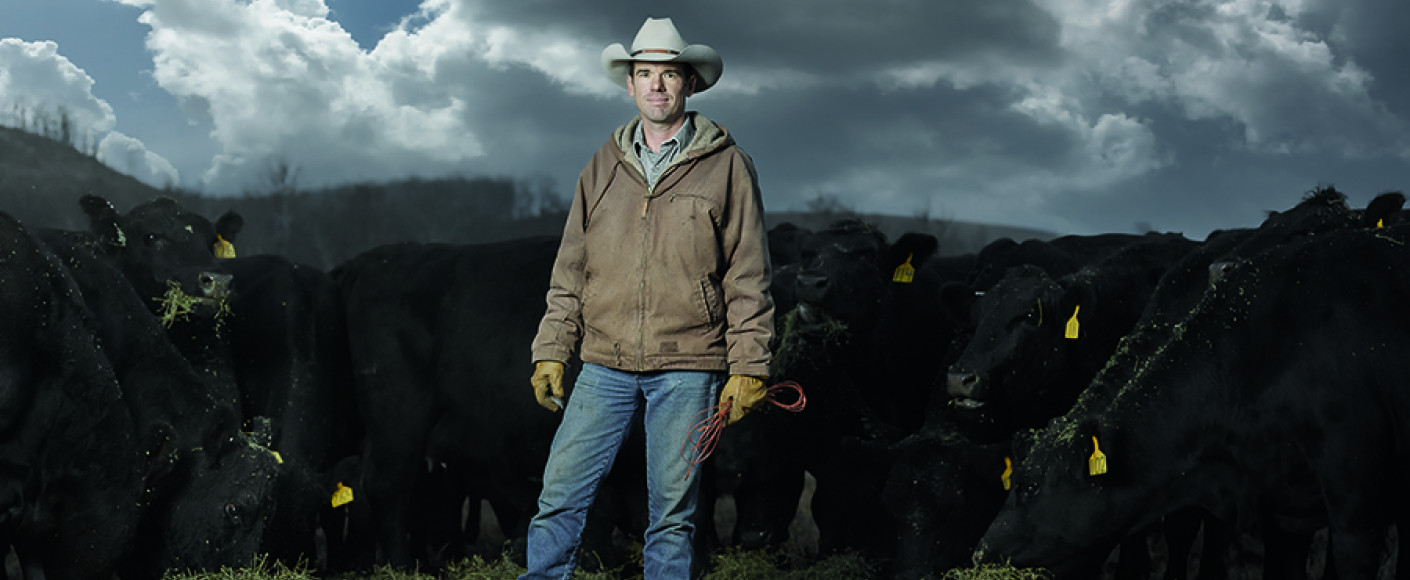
x: 1070, y: 116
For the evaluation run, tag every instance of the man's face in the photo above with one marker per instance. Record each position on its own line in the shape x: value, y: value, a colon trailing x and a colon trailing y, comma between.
x: 660, y: 90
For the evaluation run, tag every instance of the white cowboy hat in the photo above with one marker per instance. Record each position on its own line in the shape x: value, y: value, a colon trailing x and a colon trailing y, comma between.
x: 658, y: 41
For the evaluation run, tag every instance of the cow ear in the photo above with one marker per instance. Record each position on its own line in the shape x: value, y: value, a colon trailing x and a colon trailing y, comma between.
x: 103, y: 220
x: 918, y: 247
x: 1382, y: 210
x: 229, y: 225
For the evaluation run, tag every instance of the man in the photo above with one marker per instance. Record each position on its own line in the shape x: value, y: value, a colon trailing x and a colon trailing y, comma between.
x: 663, y: 277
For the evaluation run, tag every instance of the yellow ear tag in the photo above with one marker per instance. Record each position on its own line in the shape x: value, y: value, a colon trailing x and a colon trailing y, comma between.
x: 1072, y: 326
x: 223, y: 248
x: 1380, y: 223
x: 1008, y: 472
x: 1096, y: 464
x: 277, y: 457
x: 905, y: 272
x: 343, y: 495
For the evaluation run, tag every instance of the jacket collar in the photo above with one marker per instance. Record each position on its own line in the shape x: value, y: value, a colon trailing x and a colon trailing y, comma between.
x: 709, y: 138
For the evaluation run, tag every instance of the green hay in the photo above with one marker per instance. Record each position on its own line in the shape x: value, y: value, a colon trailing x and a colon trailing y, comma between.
x: 261, y: 570
x: 176, y: 304
x: 731, y: 564
x: 735, y: 564
x: 997, y: 572
x: 798, y: 343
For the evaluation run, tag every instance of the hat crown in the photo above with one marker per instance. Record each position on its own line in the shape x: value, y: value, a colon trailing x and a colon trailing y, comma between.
x: 658, y: 34
x: 658, y: 41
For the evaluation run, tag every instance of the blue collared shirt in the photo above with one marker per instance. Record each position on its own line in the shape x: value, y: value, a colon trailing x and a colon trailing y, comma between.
x: 654, y: 162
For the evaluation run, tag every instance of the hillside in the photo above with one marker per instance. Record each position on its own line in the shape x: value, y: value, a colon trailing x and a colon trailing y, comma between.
x: 42, y: 179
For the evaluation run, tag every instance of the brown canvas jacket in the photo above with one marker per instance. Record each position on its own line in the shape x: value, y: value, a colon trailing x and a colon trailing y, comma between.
x: 671, y: 279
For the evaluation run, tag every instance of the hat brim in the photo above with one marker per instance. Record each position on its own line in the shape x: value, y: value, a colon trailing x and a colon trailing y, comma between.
x: 617, y: 63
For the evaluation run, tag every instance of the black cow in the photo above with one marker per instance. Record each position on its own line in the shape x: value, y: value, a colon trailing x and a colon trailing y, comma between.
x: 438, y: 335
x: 1040, y: 338
x: 1236, y: 406
x: 943, y: 490
x: 765, y: 490
x: 208, y: 483
x: 1019, y: 369
x: 71, y: 479
x: 159, y: 245
x: 287, y: 341
x: 276, y: 346
x: 858, y: 342
x: 1058, y: 256
x: 1005, y: 330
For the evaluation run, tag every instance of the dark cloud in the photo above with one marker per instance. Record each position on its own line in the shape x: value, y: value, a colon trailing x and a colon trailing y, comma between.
x: 1065, y: 115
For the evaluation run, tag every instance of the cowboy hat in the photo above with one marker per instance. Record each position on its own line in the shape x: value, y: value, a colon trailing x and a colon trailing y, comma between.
x: 658, y: 41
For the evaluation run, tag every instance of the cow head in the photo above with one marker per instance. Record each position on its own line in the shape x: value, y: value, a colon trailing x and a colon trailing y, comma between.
x: 1074, y: 493
x: 1024, y: 327
x: 849, y: 268
x: 943, y: 490
x: 214, y: 515
x: 160, y: 246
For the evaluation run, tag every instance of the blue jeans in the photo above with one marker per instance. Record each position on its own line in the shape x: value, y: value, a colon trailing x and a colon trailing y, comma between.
x: 596, y: 421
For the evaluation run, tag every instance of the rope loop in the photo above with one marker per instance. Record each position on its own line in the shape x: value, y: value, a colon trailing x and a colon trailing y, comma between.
x: 707, y: 424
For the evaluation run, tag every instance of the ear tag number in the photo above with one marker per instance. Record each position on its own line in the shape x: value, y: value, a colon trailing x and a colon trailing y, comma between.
x: 343, y: 495
x: 1096, y: 464
x: 1073, y: 328
x: 222, y: 248
x: 905, y: 272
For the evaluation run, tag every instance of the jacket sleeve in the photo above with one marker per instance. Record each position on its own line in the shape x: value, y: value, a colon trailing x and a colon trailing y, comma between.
x: 750, y: 308
x: 562, y: 325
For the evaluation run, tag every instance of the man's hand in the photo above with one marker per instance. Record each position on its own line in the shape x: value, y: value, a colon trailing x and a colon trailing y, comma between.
x: 746, y: 392
x: 548, y: 384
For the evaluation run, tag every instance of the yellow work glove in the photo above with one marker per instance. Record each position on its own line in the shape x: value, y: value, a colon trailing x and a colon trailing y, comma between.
x: 746, y: 392
x: 548, y: 384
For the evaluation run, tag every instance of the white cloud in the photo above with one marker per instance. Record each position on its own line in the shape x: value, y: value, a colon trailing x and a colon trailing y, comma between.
x: 36, y: 82
x: 284, y: 84
x: 38, y: 85
x: 130, y: 156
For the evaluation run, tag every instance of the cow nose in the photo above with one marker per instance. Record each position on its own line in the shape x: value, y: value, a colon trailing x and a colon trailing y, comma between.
x: 213, y: 284
x: 755, y: 539
x: 966, y: 385
x: 811, y: 286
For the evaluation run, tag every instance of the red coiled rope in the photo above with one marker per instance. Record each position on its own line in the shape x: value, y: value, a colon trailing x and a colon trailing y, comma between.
x: 705, y: 432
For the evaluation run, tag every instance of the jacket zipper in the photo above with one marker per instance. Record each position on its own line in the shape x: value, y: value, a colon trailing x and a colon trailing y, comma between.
x: 641, y: 289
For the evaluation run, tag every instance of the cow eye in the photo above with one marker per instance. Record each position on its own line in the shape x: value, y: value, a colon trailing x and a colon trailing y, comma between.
x: 1030, y: 489
x: 232, y: 513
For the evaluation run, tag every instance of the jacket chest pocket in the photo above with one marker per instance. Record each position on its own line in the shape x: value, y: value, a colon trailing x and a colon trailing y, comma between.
x: 697, y: 208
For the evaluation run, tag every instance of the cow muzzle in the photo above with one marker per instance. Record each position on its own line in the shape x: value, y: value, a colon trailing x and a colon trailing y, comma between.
x: 966, y: 389
x: 213, y: 284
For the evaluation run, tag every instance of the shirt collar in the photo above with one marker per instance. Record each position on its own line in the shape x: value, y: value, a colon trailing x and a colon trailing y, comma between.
x: 681, y: 138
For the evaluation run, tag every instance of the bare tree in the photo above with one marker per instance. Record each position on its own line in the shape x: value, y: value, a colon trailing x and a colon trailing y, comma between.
x: 828, y: 204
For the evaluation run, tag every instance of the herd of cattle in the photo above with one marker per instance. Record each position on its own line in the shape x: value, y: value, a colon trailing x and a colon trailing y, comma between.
x: 1045, y: 403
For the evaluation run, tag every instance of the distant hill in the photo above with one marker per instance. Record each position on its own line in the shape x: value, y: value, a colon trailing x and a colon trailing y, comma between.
x: 41, y: 181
